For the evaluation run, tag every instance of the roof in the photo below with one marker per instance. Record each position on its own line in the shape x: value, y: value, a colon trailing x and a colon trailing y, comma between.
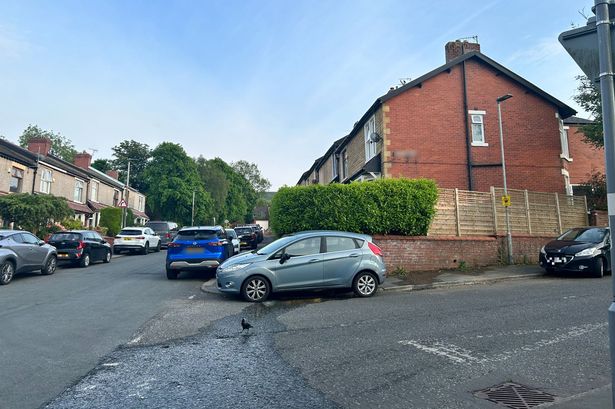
x: 575, y: 120
x: 79, y: 207
x: 97, y: 174
x: 310, y: 170
x: 139, y: 213
x: 17, y: 153
x: 96, y: 206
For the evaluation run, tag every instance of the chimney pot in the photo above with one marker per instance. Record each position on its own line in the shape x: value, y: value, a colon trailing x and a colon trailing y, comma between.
x: 83, y: 160
x: 113, y: 173
x: 40, y: 145
x: 454, y: 49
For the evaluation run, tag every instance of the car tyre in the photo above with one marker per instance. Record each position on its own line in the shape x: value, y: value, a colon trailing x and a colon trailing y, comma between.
x: 107, y: 258
x: 158, y: 247
x: 172, y: 274
x: 256, y: 289
x: 50, y: 266
x: 145, y: 248
x: 598, y: 270
x: 85, y: 260
x: 365, y: 284
x: 7, y: 271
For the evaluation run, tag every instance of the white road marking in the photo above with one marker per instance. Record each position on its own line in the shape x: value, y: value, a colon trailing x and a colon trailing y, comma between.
x: 191, y: 297
x: 111, y: 364
x: 134, y: 341
x: 459, y: 355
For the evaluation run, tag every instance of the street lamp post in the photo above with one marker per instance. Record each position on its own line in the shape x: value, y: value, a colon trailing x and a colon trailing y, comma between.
x: 506, y: 210
x: 193, y: 197
x: 125, y: 209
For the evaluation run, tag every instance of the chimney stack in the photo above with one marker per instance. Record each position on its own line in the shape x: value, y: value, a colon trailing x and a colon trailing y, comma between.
x: 39, y: 145
x: 454, y: 49
x: 113, y: 173
x: 83, y: 160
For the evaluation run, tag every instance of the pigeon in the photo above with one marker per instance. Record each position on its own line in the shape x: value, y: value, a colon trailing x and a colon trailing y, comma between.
x: 245, y: 325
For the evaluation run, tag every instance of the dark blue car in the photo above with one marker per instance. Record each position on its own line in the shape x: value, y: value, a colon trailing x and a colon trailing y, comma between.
x: 197, y: 248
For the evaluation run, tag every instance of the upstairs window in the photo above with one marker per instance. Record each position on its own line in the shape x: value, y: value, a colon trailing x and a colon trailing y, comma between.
x: 563, y: 136
x: 78, y: 194
x: 94, y: 195
x: 46, y: 179
x: 16, y: 183
x: 370, y: 146
x: 344, y: 155
x: 335, y: 166
x: 141, y: 205
x: 478, y: 128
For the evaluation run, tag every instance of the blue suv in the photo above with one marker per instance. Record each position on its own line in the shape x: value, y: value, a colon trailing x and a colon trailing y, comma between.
x: 196, y: 248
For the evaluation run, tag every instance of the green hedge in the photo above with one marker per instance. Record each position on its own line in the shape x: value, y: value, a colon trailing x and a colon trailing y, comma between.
x: 384, y: 206
x: 111, y: 218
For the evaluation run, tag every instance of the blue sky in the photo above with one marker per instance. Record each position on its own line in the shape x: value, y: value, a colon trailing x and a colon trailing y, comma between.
x: 272, y: 82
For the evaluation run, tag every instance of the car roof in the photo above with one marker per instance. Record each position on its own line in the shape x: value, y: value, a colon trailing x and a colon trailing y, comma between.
x: 201, y: 228
x: 8, y: 231
x: 332, y: 233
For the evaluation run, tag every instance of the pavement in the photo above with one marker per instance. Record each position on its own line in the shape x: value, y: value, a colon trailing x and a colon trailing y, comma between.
x: 596, y: 398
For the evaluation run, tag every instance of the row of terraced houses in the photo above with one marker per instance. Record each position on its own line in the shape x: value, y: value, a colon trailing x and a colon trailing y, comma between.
x: 87, y: 190
x: 444, y: 126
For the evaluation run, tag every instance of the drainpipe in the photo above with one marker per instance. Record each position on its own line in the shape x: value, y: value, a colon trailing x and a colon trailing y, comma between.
x: 467, y: 122
x: 35, y: 170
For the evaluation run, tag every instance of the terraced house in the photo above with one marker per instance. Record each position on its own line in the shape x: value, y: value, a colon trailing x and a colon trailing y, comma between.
x: 444, y: 126
x: 35, y: 170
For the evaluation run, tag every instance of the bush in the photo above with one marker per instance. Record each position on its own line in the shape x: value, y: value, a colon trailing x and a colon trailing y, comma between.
x: 111, y: 218
x: 385, y: 206
x: 71, y: 224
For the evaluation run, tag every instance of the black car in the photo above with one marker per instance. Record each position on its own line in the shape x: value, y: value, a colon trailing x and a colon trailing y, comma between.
x: 256, y: 228
x: 81, y: 247
x: 583, y: 249
x: 247, y: 237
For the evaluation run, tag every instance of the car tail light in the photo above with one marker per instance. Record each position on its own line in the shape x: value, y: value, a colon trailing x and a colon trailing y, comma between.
x: 253, y: 235
x: 375, y: 249
x: 172, y: 244
x: 215, y: 243
x: 168, y: 235
x: 140, y: 238
x: 81, y: 245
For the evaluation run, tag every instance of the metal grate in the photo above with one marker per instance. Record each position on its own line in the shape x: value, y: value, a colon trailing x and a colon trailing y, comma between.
x: 515, y: 396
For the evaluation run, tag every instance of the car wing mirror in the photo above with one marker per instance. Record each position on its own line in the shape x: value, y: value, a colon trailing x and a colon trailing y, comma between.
x: 284, y: 258
x: 41, y: 243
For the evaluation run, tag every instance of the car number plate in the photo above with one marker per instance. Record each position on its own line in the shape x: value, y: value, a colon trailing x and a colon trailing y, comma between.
x: 126, y: 238
x: 62, y: 255
x: 557, y: 259
x: 194, y: 250
x: 243, y: 243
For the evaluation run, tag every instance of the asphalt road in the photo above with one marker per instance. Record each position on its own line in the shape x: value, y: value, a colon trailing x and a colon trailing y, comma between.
x: 427, y: 349
x: 54, y: 329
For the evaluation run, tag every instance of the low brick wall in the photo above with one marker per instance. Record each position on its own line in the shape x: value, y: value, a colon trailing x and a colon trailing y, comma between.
x: 444, y: 252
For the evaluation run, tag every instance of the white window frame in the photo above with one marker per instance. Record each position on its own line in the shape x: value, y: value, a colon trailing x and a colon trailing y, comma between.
x: 94, y: 191
x: 335, y: 166
x: 478, y: 118
x: 46, y: 180
x: 344, y: 155
x: 141, y: 204
x: 370, y: 146
x: 563, y: 137
x: 81, y: 183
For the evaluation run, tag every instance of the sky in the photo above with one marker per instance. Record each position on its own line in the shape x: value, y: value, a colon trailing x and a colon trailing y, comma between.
x: 271, y: 82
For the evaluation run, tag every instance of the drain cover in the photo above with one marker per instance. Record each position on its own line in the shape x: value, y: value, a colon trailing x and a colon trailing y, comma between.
x: 513, y: 395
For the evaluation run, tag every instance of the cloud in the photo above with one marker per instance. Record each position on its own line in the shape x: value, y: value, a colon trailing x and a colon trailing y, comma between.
x: 544, y: 49
x: 12, y: 45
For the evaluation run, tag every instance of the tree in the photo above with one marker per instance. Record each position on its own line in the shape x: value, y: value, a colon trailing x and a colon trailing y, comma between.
x: 138, y: 154
x: 251, y: 173
x: 171, y: 178
x: 103, y: 165
x: 111, y: 218
x: 61, y: 146
x: 595, y: 191
x: 33, y: 212
x: 588, y: 97
x: 216, y: 184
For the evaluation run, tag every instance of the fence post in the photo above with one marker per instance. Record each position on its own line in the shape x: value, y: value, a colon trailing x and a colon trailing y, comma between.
x: 527, y: 212
x: 495, y: 211
x: 559, y: 216
x: 457, y: 212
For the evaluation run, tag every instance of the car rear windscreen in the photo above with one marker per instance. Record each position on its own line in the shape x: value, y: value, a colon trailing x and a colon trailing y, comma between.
x: 65, y: 237
x: 196, y: 235
x: 127, y: 232
x: 243, y: 230
x: 158, y: 226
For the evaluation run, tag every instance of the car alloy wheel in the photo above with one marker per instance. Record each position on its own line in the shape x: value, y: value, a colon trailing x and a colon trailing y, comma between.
x: 50, y: 267
x: 7, y: 270
x: 256, y: 289
x: 85, y: 260
x: 107, y: 257
x: 365, y: 285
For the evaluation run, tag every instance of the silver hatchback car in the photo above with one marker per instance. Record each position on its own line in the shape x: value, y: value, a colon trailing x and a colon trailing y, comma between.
x: 305, y: 261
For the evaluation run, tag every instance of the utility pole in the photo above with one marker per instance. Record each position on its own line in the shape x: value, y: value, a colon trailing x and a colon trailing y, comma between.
x: 125, y: 209
x: 193, y: 197
x: 506, y: 208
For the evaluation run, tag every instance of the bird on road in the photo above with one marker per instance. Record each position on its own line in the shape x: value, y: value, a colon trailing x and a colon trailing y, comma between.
x: 245, y: 325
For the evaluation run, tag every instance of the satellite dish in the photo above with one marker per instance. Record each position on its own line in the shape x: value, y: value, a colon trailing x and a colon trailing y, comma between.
x: 375, y: 137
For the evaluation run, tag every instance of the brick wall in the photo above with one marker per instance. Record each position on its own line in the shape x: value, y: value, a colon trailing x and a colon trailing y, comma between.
x: 585, y: 158
x: 430, y: 121
x: 439, y: 253
x: 599, y: 218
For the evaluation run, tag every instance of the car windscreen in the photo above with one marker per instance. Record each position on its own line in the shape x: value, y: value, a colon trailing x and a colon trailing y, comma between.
x: 196, y: 235
x: 243, y: 230
x: 65, y: 237
x: 158, y: 226
x: 231, y: 233
x: 276, y: 245
x: 584, y: 235
x: 130, y: 232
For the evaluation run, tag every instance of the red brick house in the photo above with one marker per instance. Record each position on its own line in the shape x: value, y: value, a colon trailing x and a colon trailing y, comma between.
x: 586, y: 158
x: 444, y: 126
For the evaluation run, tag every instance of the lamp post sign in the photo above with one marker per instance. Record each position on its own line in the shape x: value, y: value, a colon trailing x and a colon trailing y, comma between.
x: 591, y: 48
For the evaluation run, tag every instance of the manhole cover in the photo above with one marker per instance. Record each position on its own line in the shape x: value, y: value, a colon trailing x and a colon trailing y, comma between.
x: 513, y: 395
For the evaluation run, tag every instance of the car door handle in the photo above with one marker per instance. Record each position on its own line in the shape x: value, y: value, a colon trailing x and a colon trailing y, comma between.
x: 354, y: 255
x: 314, y: 260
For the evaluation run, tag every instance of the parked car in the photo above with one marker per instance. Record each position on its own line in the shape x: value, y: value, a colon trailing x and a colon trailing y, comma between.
x: 81, y: 247
x: 165, y: 230
x: 582, y: 249
x: 232, y: 236
x: 21, y: 252
x: 305, y: 261
x: 197, y: 248
x: 258, y: 230
x: 247, y: 237
x: 137, y: 239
